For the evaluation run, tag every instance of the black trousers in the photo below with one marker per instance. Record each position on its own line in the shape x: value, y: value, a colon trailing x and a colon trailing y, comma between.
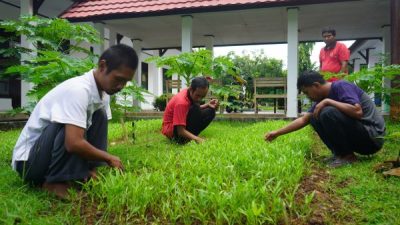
x: 342, y: 134
x: 50, y: 162
x: 196, y: 121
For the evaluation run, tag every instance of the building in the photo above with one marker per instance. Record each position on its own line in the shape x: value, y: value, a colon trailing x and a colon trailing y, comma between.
x: 157, y: 27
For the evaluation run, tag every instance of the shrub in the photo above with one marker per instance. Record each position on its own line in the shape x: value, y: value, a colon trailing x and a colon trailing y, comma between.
x: 160, y: 102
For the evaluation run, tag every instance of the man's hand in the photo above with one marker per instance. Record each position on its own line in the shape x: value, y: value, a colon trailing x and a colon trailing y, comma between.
x: 213, y: 104
x: 115, y: 162
x: 199, y: 140
x: 271, y: 136
x: 320, y: 106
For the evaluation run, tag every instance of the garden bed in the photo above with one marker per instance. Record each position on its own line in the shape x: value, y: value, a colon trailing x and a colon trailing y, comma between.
x: 233, y: 178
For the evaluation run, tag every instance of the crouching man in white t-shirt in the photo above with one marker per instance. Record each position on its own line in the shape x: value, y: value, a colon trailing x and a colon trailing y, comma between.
x: 65, y: 138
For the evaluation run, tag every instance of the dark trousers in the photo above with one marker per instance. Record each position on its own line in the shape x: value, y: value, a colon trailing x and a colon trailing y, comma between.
x: 342, y: 134
x: 50, y: 162
x: 196, y: 121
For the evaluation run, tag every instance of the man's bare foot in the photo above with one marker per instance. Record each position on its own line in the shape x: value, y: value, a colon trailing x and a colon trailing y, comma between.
x: 343, y: 160
x: 59, y: 189
x: 93, y: 174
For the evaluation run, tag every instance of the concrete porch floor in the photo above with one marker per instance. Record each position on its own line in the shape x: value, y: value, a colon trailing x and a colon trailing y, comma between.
x: 239, y: 116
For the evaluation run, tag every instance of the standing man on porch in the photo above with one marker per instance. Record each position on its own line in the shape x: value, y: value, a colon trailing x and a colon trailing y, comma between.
x: 344, y: 117
x: 184, y: 117
x: 65, y: 138
x: 334, y: 56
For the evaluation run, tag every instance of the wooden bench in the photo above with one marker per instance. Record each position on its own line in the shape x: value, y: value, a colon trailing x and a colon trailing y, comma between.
x: 270, y: 82
x: 169, y: 86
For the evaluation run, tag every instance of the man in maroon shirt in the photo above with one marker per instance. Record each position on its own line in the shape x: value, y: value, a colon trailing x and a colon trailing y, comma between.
x: 184, y: 117
x: 334, y: 56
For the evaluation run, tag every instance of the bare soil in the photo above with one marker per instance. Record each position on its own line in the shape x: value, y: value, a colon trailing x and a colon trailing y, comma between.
x: 325, y: 205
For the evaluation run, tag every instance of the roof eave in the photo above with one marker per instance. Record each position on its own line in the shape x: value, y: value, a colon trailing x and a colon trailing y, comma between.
x: 293, y: 3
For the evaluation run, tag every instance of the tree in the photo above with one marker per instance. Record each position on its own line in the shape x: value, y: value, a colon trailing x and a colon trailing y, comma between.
x: 256, y: 64
x: 201, y: 63
x: 51, y: 62
x: 122, y: 103
x: 371, y: 80
x: 305, y: 51
x: 188, y: 65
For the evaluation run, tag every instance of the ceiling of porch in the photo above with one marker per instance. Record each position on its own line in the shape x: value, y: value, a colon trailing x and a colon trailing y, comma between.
x: 351, y: 19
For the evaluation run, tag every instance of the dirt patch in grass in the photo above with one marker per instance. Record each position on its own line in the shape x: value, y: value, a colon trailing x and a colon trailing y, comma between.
x: 88, y: 212
x: 325, y: 205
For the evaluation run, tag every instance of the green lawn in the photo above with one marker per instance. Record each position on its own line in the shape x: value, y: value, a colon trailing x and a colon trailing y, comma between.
x: 233, y: 178
x: 368, y: 197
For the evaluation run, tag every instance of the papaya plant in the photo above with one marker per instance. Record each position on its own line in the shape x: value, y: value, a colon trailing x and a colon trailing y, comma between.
x: 371, y: 79
x: 122, y: 103
x: 51, y: 61
x: 200, y: 63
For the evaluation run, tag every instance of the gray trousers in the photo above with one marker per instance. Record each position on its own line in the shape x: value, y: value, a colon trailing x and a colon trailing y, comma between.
x: 50, y: 162
x: 343, y: 135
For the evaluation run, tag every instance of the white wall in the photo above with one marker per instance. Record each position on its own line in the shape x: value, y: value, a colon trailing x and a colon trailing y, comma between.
x: 8, y: 12
x: 374, y: 54
x: 152, y: 80
x: 155, y: 74
x: 155, y: 78
x: 5, y: 104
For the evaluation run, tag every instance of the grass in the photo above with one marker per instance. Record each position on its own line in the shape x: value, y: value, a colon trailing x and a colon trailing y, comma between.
x: 368, y: 197
x: 233, y: 178
x: 21, y: 204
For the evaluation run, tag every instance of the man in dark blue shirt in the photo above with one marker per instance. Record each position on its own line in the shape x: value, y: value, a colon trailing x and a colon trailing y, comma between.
x: 343, y: 115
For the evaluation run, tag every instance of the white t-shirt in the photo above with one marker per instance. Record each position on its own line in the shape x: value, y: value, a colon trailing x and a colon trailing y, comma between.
x: 72, y: 102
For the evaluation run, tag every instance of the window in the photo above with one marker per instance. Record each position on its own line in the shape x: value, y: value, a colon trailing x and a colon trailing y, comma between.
x: 164, y: 78
x: 10, y: 87
x: 4, y: 86
x: 145, y: 76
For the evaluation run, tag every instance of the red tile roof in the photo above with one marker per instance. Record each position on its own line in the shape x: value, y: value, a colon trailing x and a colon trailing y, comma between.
x: 102, y: 9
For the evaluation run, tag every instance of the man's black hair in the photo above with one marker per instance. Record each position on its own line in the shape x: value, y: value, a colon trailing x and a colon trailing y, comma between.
x: 308, y: 78
x: 120, y: 55
x: 199, y: 82
x: 328, y: 30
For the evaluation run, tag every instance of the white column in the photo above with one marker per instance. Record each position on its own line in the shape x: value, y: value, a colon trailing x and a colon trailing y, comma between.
x: 386, y: 48
x: 187, y: 39
x: 137, y: 45
x: 158, y: 78
x: 99, y: 48
x: 293, y: 42
x: 209, y: 42
x: 26, y: 9
x: 158, y: 82
x: 112, y: 37
x: 187, y: 44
